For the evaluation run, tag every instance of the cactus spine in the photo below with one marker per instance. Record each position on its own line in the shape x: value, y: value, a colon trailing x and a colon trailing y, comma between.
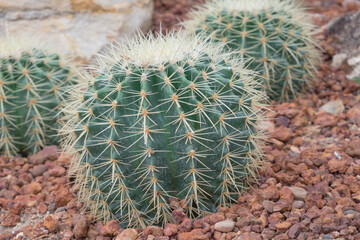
x: 276, y: 34
x: 165, y: 116
x: 32, y: 87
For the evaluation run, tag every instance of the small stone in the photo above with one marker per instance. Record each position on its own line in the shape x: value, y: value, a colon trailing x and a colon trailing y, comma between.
x: 282, y: 133
x: 127, y: 234
x: 179, y: 215
x: 216, y: 217
x: 51, y: 224
x: 337, y: 165
x: 338, y: 59
x: 57, y: 171
x: 48, y: 153
x: 283, y: 225
x: 282, y: 205
x: 249, y: 236
x: 298, y: 204
x: 42, y: 208
x: 300, y: 193
x: 62, y: 197
x: 185, y: 226
x: 224, y: 226
x: 270, y: 193
x: 80, y: 223
x: 15, y: 207
x: 333, y: 107
x: 10, y: 220
x: 268, y: 206
x: 32, y: 188
x: 67, y: 235
x: 196, y: 234
x: 327, y: 236
x: 170, y: 229
x: 295, y: 230
x: 110, y: 228
x: 268, y: 233
x: 38, y: 170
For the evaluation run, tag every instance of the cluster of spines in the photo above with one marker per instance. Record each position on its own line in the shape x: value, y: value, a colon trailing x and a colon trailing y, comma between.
x: 32, y: 88
x: 276, y: 34
x: 145, y: 132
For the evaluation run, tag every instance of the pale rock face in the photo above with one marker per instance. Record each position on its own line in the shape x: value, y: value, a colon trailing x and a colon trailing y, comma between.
x: 80, y: 27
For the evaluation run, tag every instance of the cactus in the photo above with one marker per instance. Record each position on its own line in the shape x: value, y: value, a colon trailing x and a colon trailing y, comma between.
x: 276, y: 34
x: 166, y: 116
x: 32, y: 87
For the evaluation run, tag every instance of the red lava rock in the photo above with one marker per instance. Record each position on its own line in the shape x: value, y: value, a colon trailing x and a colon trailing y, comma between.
x: 62, y: 197
x: 286, y: 194
x: 216, y: 217
x: 127, y: 234
x: 38, y: 170
x: 14, y: 207
x: 51, y: 223
x: 282, y: 205
x: 325, y: 120
x: 42, y: 208
x: 195, y: 234
x: 179, y: 215
x: 353, y: 149
x: 270, y: 193
x: 110, y: 228
x: 283, y: 134
x: 294, y: 230
x: 249, y: 236
x: 185, y: 225
x: 353, y: 113
x: 337, y: 165
x: 32, y: 188
x: 48, y: 153
x: 10, y: 220
x: 67, y: 235
x: 80, y: 223
x: 57, y: 171
x: 170, y: 229
x: 283, y: 225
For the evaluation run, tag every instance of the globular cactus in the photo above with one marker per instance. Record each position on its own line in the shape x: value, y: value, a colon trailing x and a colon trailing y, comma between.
x: 170, y: 116
x: 33, y: 85
x: 276, y: 34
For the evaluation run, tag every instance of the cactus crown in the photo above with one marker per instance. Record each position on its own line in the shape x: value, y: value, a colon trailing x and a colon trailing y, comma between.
x: 276, y: 34
x: 32, y: 87
x: 165, y: 116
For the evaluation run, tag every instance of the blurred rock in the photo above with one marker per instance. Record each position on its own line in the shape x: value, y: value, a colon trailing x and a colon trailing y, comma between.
x: 333, y: 107
x: 80, y: 27
x: 345, y: 31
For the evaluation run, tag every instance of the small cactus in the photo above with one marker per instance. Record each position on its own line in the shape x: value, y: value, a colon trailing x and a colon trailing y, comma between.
x: 32, y: 88
x: 170, y: 116
x: 276, y: 34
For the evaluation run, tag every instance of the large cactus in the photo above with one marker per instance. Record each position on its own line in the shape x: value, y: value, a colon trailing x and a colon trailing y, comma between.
x: 32, y: 88
x: 276, y: 34
x: 165, y: 116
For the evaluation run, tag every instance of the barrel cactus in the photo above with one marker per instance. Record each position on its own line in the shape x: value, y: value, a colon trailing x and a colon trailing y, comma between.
x: 166, y: 116
x: 33, y: 85
x: 276, y: 34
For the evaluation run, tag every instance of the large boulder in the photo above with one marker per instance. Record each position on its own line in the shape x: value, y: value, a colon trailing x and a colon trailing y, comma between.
x: 345, y: 32
x: 81, y: 27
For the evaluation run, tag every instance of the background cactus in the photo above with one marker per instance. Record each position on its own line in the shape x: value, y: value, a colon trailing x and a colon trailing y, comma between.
x: 166, y: 116
x: 33, y: 85
x: 276, y: 34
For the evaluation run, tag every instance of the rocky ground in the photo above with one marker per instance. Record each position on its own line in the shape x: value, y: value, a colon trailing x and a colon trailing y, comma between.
x: 310, y: 188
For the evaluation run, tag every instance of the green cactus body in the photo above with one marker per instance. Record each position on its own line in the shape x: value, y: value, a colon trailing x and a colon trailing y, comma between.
x: 165, y: 116
x: 276, y: 34
x: 32, y: 89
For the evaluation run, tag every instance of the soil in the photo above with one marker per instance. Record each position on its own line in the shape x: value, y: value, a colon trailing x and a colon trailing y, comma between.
x: 310, y: 188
